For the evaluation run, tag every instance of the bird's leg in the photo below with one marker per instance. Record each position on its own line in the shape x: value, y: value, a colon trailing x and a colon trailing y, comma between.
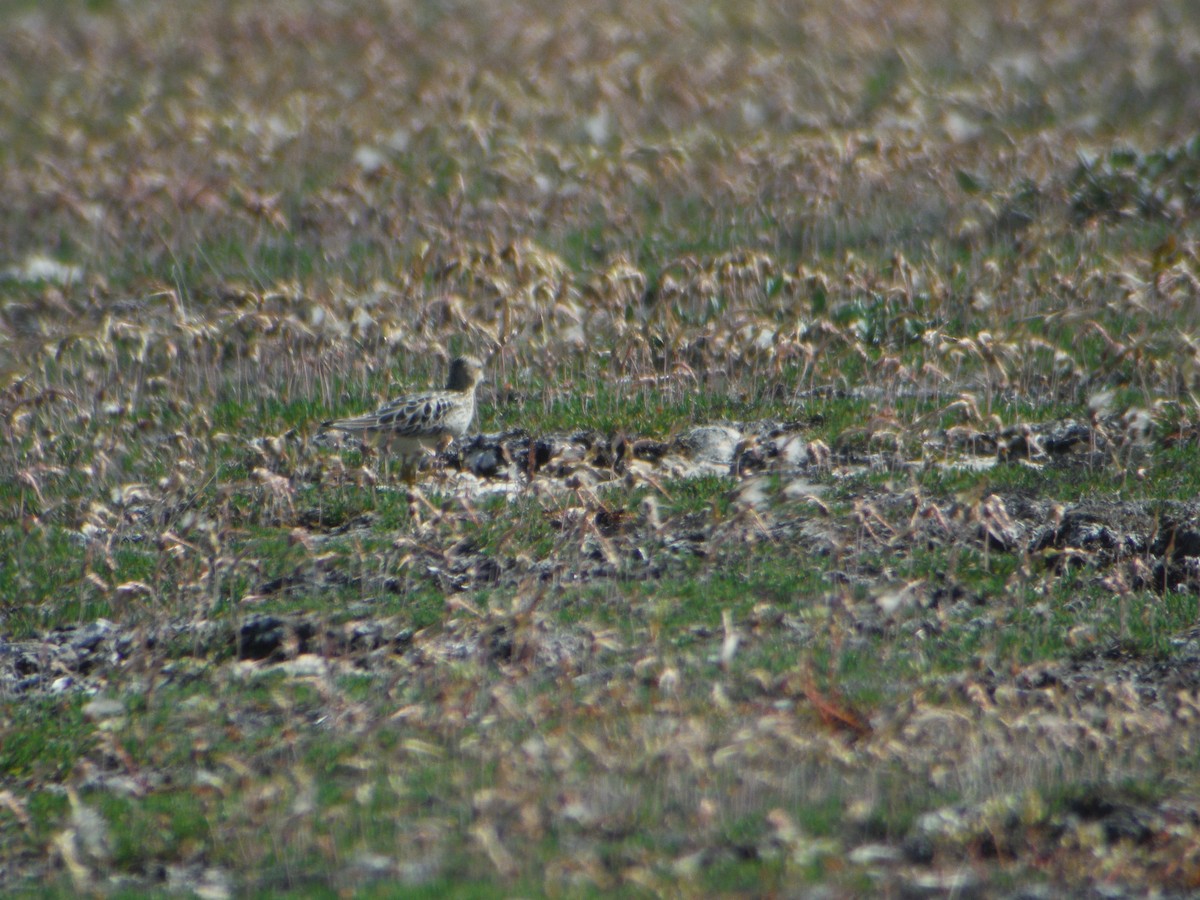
x: 368, y: 452
x: 443, y: 445
x: 410, y: 471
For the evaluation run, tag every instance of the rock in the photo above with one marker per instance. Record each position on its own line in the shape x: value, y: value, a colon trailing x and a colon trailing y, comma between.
x: 103, y: 708
x: 710, y: 444
x: 875, y: 854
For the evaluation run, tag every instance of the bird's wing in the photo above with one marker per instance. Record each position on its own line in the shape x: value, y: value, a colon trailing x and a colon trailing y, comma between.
x: 415, y: 416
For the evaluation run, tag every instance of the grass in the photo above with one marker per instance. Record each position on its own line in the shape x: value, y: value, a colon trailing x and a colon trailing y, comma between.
x: 917, y: 242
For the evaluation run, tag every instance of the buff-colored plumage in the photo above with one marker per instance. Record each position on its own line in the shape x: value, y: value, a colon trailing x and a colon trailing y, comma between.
x: 417, y: 424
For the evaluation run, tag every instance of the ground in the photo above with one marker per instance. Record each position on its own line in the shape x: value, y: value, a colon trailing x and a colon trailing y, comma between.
x: 829, y: 525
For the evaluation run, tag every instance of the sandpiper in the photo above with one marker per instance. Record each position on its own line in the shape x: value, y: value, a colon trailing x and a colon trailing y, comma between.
x: 415, y: 425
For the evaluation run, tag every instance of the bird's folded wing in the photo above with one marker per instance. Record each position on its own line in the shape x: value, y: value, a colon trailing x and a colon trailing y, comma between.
x: 408, y: 416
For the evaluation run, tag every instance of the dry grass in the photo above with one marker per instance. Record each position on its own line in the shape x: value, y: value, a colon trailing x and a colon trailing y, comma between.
x: 882, y: 239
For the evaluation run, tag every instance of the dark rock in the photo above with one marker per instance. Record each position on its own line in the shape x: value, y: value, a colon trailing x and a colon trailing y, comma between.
x: 918, y: 849
x: 260, y: 636
x: 1179, y: 539
x: 1127, y: 824
x: 1064, y: 437
x: 650, y: 450
x: 402, y: 639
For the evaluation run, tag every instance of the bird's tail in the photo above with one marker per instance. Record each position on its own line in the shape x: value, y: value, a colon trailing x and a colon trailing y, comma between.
x: 360, y: 423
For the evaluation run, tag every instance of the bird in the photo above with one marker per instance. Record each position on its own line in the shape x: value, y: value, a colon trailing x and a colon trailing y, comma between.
x: 418, y: 424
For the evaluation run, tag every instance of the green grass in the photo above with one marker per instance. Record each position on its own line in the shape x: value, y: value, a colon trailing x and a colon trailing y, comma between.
x: 44, y: 740
x: 636, y: 686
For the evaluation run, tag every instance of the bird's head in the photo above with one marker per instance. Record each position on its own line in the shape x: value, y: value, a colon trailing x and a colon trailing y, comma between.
x: 465, y: 373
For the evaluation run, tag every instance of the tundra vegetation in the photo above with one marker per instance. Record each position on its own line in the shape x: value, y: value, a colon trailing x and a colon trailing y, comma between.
x: 829, y: 520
